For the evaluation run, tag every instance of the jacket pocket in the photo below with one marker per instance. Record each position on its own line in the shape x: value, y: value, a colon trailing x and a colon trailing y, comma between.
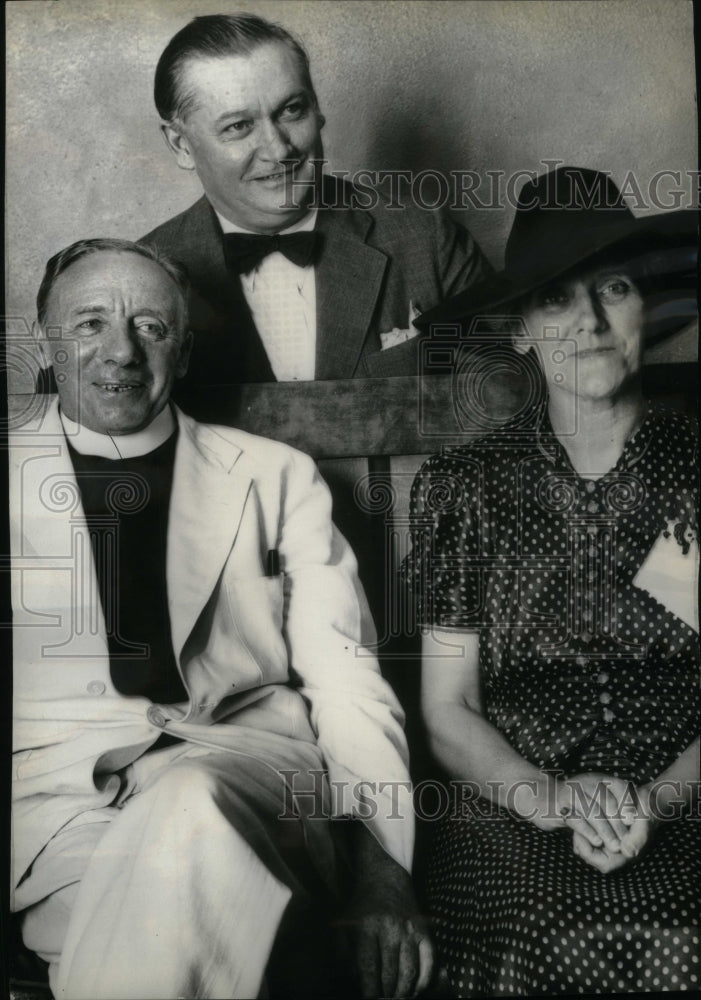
x: 243, y: 646
x: 394, y: 362
x: 257, y: 608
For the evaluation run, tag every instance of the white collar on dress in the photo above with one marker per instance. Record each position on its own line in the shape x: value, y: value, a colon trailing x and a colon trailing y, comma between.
x: 87, y: 442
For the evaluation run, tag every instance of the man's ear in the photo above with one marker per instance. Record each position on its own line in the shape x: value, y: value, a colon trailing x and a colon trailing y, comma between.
x: 178, y: 145
x: 184, y: 357
x: 41, y: 343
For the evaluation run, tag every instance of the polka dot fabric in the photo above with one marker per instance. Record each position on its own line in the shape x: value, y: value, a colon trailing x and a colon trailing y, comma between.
x: 581, y: 670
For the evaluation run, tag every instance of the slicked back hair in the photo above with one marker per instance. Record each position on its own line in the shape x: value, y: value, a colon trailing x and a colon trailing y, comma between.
x: 217, y: 35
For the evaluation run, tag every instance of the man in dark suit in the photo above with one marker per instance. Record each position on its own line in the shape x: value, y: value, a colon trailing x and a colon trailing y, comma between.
x: 237, y: 106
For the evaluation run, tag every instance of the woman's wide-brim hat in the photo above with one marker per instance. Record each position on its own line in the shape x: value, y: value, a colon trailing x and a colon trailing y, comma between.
x: 572, y: 215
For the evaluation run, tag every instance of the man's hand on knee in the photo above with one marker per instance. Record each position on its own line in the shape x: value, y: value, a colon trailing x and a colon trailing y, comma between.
x: 387, y: 937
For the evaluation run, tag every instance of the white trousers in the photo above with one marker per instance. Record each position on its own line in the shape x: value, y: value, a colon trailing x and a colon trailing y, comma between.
x: 179, y: 890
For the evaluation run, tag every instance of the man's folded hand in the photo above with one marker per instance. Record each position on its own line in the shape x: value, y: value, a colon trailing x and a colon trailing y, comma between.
x: 385, y: 935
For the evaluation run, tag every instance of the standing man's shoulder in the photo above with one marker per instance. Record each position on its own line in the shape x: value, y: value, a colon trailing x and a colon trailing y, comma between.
x: 378, y: 210
x: 183, y: 230
x: 426, y: 241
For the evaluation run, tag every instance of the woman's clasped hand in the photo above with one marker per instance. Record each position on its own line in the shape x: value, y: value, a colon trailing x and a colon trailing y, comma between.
x: 610, y: 819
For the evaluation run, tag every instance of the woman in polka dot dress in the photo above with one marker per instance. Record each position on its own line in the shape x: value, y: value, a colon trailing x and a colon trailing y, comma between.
x: 553, y: 566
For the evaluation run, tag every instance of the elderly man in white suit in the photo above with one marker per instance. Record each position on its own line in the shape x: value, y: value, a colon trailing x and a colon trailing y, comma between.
x: 172, y: 788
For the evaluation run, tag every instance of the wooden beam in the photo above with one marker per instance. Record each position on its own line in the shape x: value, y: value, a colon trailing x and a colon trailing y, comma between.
x: 390, y: 416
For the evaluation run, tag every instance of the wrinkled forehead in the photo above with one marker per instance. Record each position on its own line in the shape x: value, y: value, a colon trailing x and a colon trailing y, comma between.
x: 270, y: 71
x: 116, y: 281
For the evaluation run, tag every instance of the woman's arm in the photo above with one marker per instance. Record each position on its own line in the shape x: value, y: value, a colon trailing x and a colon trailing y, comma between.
x: 471, y: 749
x: 467, y: 746
x: 676, y: 789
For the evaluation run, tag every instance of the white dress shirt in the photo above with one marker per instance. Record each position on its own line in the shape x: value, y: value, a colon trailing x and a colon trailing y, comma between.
x: 282, y: 299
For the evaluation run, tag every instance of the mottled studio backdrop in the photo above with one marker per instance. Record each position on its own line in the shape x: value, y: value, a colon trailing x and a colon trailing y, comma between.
x: 447, y: 86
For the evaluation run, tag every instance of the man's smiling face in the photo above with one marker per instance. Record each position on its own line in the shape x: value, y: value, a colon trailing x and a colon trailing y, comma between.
x: 250, y: 124
x: 122, y: 342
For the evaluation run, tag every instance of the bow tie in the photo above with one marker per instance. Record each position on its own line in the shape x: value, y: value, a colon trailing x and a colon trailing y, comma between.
x: 244, y: 251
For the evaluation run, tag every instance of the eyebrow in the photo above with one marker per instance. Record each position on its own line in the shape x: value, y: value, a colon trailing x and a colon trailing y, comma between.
x: 250, y: 113
x: 158, y: 313
x: 146, y: 311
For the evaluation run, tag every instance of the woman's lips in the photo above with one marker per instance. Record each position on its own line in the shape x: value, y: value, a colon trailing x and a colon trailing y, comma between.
x: 590, y: 352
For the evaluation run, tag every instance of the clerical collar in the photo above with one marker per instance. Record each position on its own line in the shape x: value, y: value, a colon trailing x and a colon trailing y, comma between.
x: 87, y: 442
x: 305, y: 225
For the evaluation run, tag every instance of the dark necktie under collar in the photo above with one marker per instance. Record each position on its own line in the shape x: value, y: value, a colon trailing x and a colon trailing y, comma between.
x: 244, y: 251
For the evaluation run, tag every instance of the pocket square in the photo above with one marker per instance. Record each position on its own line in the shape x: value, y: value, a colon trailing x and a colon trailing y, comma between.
x: 396, y: 336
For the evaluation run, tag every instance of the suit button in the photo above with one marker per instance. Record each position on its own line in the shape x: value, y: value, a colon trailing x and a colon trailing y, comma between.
x: 581, y: 661
x: 609, y: 716
x: 605, y: 698
x: 96, y: 687
x: 155, y: 716
x: 602, y: 677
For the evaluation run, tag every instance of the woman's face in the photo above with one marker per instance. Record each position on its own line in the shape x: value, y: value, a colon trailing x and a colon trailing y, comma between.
x: 587, y: 330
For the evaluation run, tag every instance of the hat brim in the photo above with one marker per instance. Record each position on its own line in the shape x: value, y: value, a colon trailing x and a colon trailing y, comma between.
x: 671, y: 236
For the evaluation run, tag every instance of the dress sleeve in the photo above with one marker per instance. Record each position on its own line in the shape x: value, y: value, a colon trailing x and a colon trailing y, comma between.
x: 442, y: 570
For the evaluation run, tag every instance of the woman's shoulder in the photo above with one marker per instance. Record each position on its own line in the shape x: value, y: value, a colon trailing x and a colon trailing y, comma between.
x: 672, y: 431
x: 460, y: 477
x: 500, y: 445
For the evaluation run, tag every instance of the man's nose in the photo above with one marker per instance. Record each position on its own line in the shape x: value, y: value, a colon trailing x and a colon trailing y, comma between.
x: 591, y: 315
x: 121, y: 345
x: 275, y: 141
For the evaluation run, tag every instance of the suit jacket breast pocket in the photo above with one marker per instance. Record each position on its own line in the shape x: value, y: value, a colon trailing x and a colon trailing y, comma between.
x: 257, y: 607
x: 394, y: 362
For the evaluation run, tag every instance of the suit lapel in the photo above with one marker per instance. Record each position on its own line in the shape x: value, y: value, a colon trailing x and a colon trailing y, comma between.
x: 227, y: 348
x: 50, y: 535
x: 202, y: 246
x: 206, y: 506
x: 349, y: 277
x: 45, y: 501
x: 50, y: 532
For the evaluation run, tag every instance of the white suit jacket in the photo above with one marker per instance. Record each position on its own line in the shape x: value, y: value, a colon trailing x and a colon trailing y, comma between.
x: 285, y: 654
